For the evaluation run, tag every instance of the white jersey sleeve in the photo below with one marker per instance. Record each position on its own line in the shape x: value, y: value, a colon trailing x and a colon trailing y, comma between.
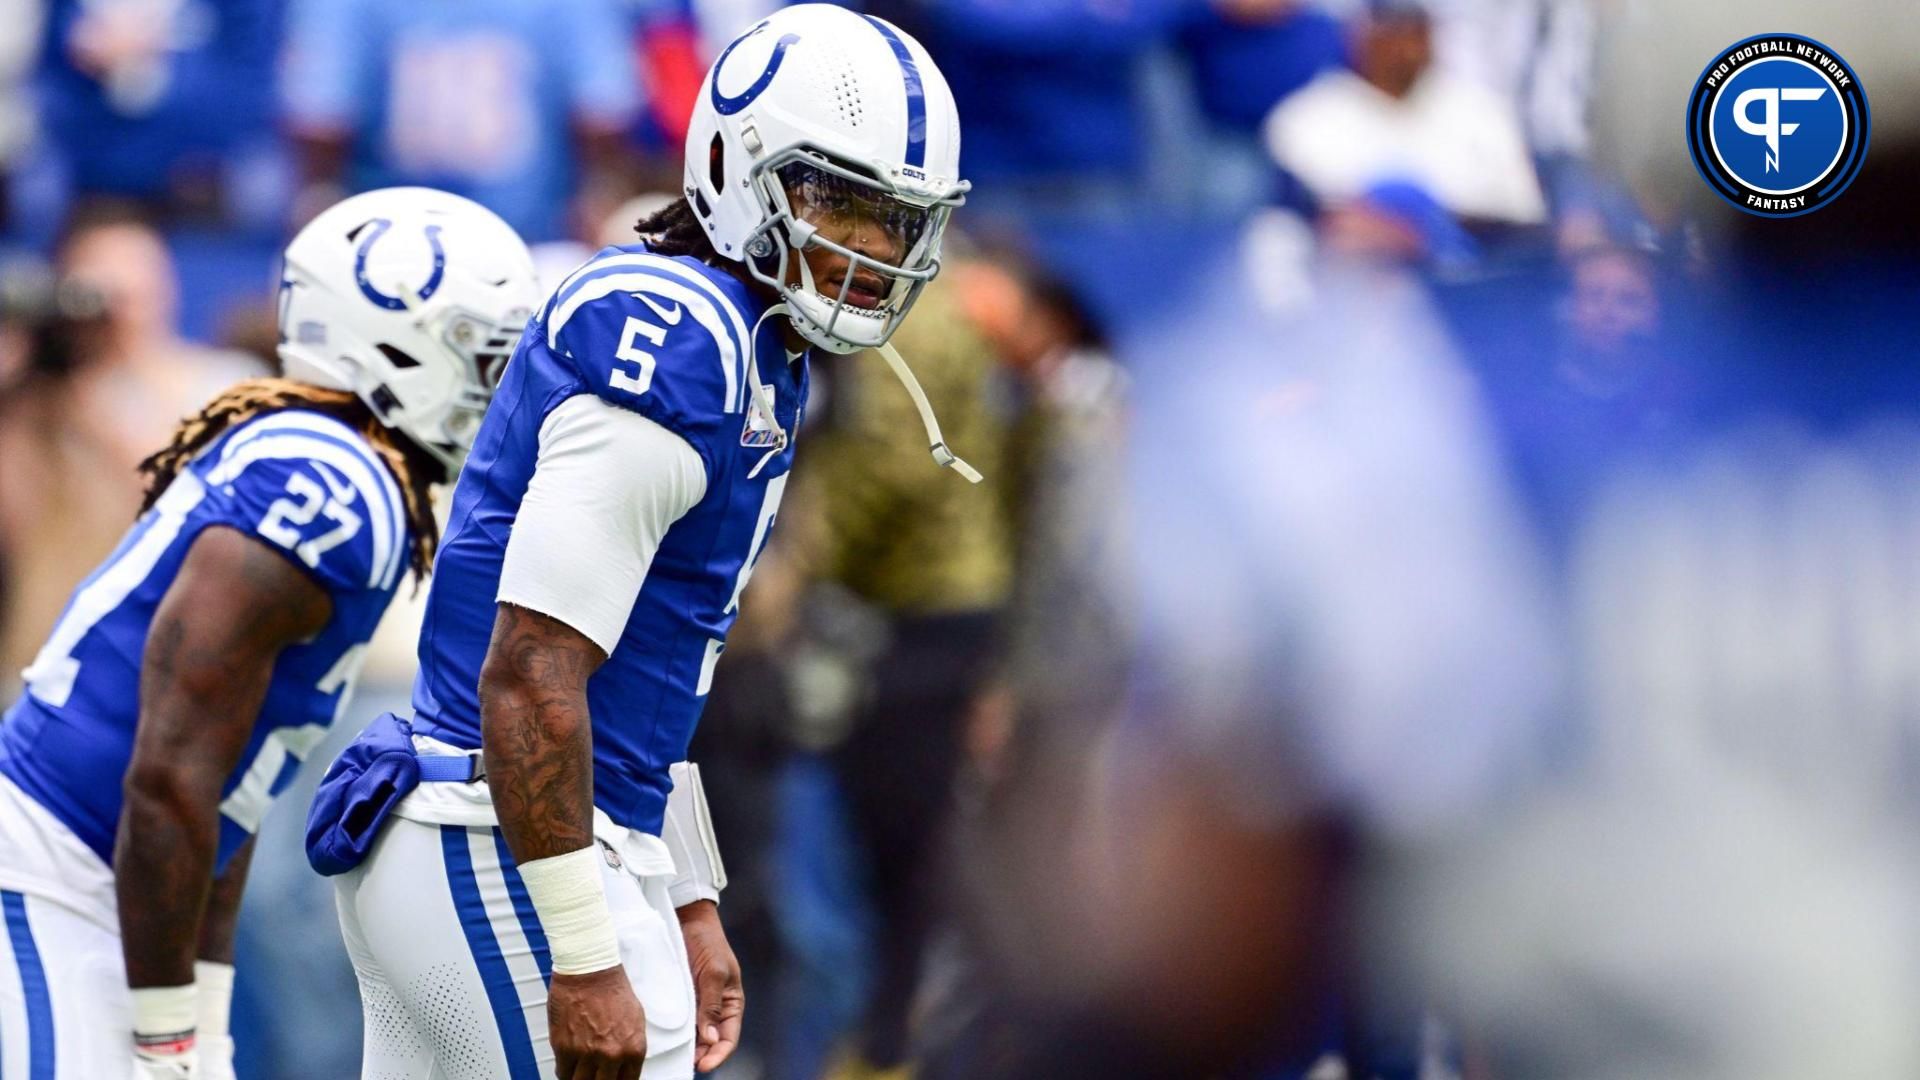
x: 606, y: 486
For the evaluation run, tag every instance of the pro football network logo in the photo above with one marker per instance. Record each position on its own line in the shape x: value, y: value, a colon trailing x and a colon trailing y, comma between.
x: 1778, y: 125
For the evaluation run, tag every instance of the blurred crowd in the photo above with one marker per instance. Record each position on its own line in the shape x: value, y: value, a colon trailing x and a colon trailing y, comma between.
x: 1446, y: 598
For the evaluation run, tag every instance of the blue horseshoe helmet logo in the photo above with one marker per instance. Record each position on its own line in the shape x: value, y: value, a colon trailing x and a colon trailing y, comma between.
x: 727, y: 106
x: 395, y: 303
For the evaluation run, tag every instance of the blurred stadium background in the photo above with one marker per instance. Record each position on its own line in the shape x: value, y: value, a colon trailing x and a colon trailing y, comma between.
x: 1446, y: 602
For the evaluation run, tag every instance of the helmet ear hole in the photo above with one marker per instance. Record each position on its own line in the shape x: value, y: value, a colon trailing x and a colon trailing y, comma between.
x: 716, y: 164
x: 385, y: 404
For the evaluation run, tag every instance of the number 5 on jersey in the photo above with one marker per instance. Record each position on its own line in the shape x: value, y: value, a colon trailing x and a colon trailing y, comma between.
x: 640, y: 378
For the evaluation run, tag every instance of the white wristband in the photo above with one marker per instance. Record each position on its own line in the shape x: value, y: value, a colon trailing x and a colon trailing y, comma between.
x: 163, y: 1019
x: 572, y: 905
x: 215, y: 1002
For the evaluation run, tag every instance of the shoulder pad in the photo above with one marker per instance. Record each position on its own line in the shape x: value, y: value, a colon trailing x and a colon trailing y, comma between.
x: 311, y: 486
x: 667, y: 337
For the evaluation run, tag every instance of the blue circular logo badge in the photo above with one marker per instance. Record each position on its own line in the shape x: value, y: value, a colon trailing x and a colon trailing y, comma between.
x: 1778, y: 125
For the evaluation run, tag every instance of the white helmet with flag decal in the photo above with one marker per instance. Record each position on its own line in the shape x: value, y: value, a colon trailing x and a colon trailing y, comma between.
x: 413, y: 299
x: 849, y: 113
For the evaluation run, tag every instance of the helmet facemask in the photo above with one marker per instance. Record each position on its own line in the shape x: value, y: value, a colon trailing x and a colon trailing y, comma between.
x: 813, y: 201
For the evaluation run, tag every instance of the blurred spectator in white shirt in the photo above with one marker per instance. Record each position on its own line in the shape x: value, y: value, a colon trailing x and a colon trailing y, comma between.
x: 1400, y: 117
x: 1538, y: 54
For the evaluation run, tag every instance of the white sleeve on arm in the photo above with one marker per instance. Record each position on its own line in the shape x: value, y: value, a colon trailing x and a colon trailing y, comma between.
x: 606, y: 487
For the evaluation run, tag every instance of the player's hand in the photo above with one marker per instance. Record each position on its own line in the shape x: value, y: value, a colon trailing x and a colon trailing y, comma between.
x: 596, y: 1026
x: 718, y: 997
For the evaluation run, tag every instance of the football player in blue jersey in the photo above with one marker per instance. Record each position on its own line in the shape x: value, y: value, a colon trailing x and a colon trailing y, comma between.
x: 527, y: 881
x: 190, y: 675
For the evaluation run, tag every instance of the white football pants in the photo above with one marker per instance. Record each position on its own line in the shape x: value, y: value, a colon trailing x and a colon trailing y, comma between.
x: 453, y: 966
x: 65, y: 1013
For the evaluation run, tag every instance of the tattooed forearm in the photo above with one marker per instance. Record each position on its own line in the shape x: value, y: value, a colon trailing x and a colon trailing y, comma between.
x: 536, y: 733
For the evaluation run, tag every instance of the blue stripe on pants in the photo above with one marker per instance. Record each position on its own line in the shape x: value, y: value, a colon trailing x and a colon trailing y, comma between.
x: 508, y: 1015
x: 33, y: 986
x: 523, y: 908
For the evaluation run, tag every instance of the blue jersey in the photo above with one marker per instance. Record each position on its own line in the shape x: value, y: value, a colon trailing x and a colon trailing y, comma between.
x: 307, y: 486
x: 673, y: 340
x: 477, y: 97
x: 216, y: 56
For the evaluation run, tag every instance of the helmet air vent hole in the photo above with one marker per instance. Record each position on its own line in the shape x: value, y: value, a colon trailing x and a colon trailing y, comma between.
x: 716, y: 163
x: 846, y: 94
x: 397, y: 357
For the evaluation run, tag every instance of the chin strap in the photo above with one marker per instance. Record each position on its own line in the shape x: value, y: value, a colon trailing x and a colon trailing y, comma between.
x: 941, y: 455
x: 761, y: 399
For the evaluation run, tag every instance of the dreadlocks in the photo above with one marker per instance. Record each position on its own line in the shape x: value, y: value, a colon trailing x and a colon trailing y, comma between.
x: 674, y: 230
x: 414, y: 468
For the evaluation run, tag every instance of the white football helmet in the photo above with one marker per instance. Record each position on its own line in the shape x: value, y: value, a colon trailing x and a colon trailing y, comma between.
x: 852, y: 115
x: 413, y: 299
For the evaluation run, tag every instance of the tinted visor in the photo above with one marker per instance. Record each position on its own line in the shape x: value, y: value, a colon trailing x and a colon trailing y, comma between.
x: 840, y: 207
